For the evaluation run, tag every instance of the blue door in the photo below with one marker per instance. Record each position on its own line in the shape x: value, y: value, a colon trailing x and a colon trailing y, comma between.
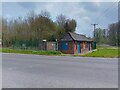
x: 64, y: 45
x: 78, y: 45
x: 89, y: 46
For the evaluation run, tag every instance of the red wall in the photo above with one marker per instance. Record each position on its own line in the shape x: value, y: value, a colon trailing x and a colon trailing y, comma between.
x: 84, y: 47
x: 73, y: 49
x: 90, y: 45
x: 70, y: 49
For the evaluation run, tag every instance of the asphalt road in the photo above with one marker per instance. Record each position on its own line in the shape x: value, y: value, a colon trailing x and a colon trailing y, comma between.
x: 33, y: 71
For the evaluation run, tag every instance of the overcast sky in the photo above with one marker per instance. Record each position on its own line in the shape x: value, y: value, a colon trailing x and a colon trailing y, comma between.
x: 85, y: 13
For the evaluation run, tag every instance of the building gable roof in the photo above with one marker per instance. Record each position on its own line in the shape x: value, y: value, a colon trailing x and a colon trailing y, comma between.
x: 77, y: 37
x: 67, y: 37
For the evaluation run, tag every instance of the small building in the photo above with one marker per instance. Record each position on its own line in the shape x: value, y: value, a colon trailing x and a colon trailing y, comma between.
x: 50, y: 46
x: 73, y: 43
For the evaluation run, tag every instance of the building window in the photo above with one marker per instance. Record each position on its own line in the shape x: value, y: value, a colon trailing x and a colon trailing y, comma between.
x: 65, y: 46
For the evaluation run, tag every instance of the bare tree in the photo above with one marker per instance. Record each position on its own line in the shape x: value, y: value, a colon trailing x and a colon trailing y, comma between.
x: 45, y: 14
x: 61, y: 20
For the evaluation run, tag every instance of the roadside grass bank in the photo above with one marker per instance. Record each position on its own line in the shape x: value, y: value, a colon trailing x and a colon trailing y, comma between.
x: 6, y: 50
x: 103, y: 51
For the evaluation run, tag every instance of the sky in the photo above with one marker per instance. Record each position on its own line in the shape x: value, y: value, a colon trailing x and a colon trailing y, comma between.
x: 85, y: 13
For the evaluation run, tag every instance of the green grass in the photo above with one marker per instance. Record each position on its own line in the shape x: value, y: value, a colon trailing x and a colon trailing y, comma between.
x: 103, y: 51
x: 31, y: 52
x: 112, y: 53
x: 0, y: 49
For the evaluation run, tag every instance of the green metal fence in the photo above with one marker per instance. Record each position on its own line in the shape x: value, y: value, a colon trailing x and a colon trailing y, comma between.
x: 32, y: 45
x: 93, y: 45
x: 25, y: 44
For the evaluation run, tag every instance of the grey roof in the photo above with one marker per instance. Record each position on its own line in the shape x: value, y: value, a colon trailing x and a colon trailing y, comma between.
x: 77, y: 37
x: 67, y: 37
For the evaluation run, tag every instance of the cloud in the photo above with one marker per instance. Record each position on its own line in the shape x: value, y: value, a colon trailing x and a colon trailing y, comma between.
x: 0, y: 9
x: 85, y: 19
x: 27, y: 5
x: 60, y: 0
x: 91, y: 6
x: 13, y: 10
x: 84, y: 13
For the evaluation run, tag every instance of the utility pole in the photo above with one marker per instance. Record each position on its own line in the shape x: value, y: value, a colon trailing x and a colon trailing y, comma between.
x: 94, y: 25
x: 94, y: 43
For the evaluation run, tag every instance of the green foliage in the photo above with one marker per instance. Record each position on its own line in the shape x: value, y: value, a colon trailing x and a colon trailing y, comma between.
x: 68, y: 25
x: 113, y: 34
x: 33, y: 29
x: 109, y: 36
x: 101, y: 36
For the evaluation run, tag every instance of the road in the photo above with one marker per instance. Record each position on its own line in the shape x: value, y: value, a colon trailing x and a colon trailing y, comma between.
x: 34, y: 71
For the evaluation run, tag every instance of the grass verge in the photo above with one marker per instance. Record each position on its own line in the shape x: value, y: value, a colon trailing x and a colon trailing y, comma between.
x: 30, y: 52
x: 107, y: 52
x: 102, y: 51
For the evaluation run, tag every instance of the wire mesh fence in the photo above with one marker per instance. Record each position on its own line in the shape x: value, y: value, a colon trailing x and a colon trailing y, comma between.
x: 32, y: 45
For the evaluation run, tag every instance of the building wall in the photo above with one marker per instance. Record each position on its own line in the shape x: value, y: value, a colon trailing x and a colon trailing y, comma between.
x: 70, y: 48
x: 84, y: 47
x: 51, y: 46
x: 73, y: 47
x: 90, y: 45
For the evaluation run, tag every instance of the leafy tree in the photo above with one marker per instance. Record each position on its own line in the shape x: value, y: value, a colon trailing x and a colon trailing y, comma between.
x: 68, y: 25
x: 109, y: 36
x: 32, y: 29
x: 113, y: 34
x: 101, y: 36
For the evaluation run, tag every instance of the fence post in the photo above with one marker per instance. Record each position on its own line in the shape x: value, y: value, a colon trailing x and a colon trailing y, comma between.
x: 56, y: 45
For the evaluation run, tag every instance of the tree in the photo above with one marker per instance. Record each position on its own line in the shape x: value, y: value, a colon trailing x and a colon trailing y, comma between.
x: 113, y: 34
x: 118, y: 33
x: 61, y: 20
x: 101, y: 36
x: 5, y: 33
x: 32, y: 29
x: 45, y: 14
x: 108, y: 36
x: 0, y: 28
x: 66, y: 24
x: 70, y: 25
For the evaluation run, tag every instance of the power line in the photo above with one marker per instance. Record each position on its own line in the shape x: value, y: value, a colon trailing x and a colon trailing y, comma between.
x: 100, y: 17
x: 105, y: 12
